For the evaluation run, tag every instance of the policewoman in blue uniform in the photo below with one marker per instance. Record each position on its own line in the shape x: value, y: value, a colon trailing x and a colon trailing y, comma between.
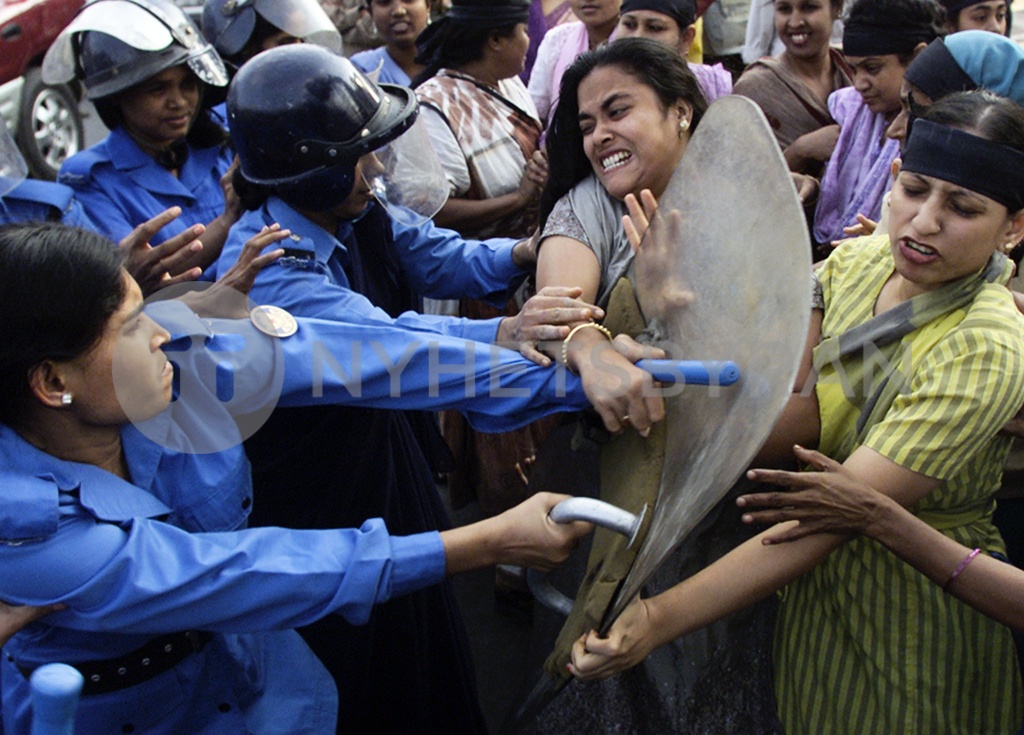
x: 177, y: 617
x: 306, y: 123
x: 151, y: 77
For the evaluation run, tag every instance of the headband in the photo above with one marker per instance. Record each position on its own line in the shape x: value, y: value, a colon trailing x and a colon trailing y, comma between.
x: 864, y: 39
x: 953, y: 7
x: 489, y: 15
x: 984, y: 167
x: 936, y: 72
x: 684, y: 12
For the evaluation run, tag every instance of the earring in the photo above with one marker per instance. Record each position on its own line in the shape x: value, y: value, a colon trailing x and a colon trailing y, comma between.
x: 66, y: 399
x: 684, y: 125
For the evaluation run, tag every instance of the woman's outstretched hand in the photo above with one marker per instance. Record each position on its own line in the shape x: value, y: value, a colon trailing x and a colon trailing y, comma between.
x: 166, y: 264
x: 546, y: 317
x: 228, y: 297
x: 830, y: 500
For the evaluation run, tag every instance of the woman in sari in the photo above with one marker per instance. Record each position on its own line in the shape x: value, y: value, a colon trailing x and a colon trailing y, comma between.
x: 792, y: 89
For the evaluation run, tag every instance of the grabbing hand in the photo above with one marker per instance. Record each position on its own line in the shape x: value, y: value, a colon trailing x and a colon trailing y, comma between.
x: 863, y: 228
x: 546, y: 316
x: 537, y: 168
x: 807, y: 187
x: 831, y: 500
x: 657, y: 242
x: 15, y: 617
x: 622, y: 394
x: 167, y: 263
x: 627, y: 644
x: 528, y: 537
x: 228, y: 297
x: 232, y: 203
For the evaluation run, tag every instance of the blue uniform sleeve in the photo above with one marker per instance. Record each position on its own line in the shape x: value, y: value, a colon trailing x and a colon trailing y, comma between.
x: 440, y: 264
x: 377, y: 365
x: 150, y: 576
x: 314, y: 294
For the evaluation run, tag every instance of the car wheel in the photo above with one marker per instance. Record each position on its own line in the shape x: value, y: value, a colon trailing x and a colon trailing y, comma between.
x: 49, y: 126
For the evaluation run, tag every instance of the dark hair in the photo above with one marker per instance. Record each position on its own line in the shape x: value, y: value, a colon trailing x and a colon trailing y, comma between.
x: 250, y: 194
x: 59, y: 286
x: 263, y: 30
x: 987, y: 114
x: 457, y: 45
x: 654, y: 65
x: 926, y: 16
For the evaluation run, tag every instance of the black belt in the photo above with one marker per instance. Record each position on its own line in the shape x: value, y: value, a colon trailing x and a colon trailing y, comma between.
x: 154, y: 658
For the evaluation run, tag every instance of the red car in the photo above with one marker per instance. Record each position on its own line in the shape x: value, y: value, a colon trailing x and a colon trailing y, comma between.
x: 44, y: 119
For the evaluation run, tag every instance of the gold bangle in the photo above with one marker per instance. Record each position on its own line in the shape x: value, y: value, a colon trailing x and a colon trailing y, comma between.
x: 565, y: 343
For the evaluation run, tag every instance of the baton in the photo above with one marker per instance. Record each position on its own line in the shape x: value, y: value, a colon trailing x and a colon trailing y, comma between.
x: 692, y: 372
x: 55, y: 690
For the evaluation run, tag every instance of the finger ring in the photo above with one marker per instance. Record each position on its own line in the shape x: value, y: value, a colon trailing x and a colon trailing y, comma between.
x: 625, y: 419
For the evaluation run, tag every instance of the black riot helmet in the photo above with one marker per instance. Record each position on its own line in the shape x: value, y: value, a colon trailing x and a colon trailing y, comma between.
x: 112, y: 45
x: 235, y: 26
x: 301, y: 118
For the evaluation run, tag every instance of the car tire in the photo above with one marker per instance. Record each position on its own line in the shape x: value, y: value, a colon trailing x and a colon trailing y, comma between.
x: 49, y: 125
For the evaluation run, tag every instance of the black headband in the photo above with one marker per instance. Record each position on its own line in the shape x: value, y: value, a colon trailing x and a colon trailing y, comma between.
x: 936, y: 73
x: 684, y: 12
x: 953, y: 7
x: 984, y: 167
x: 490, y: 15
x: 863, y: 39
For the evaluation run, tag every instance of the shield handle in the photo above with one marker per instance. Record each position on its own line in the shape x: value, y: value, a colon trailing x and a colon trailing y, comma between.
x: 594, y: 511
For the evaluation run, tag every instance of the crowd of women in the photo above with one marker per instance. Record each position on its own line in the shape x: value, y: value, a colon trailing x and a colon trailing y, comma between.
x: 265, y: 550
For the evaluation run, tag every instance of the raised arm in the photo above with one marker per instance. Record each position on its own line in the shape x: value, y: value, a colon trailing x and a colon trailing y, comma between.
x: 832, y: 500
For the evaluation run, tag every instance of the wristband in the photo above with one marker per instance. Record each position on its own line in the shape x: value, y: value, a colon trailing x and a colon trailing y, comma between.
x: 960, y: 567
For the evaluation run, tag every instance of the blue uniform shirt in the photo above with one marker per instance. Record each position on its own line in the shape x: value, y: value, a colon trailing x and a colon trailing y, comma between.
x: 373, y: 59
x: 437, y: 263
x: 121, y: 186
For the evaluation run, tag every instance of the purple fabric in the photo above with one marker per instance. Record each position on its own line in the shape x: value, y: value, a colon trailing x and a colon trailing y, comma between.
x: 715, y: 81
x: 859, y: 172
x: 537, y: 26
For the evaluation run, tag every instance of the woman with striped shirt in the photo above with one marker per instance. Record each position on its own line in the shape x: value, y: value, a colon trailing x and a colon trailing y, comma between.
x: 920, y: 363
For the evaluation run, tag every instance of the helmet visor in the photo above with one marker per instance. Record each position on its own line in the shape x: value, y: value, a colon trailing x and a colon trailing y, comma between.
x: 303, y: 20
x: 144, y: 28
x: 205, y: 63
x: 12, y: 166
x: 121, y: 19
x: 409, y: 182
